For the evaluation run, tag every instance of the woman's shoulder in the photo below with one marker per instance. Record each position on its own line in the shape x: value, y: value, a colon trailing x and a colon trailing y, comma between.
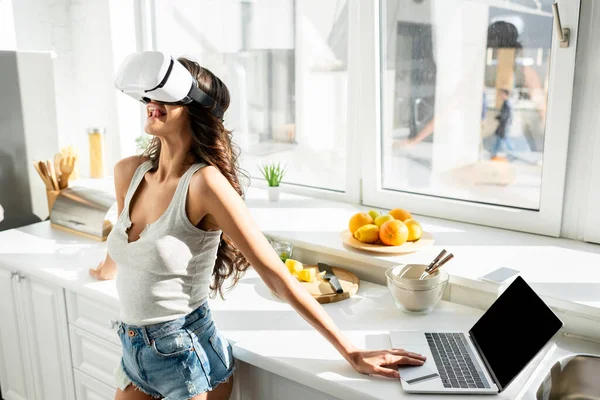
x: 124, y: 170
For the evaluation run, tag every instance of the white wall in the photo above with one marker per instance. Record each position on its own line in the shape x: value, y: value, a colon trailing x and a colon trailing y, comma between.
x: 46, y: 26
x: 581, y: 215
x: 89, y: 39
x: 8, y: 41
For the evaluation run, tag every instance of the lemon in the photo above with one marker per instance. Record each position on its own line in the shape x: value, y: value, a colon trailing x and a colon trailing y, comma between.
x: 374, y: 214
x: 414, y: 229
x: 367, y: 233
x: 382, y: 219
x: 307, y: 275
x: 293, y: 266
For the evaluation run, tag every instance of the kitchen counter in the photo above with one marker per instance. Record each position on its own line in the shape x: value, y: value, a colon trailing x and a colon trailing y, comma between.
x: 264, y: 331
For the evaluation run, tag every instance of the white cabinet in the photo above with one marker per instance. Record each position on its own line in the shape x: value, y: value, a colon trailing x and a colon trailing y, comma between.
x: 88, y: 388
x: 13, y: 378
x: 94, y: 356
x: 95, y: 345
x: 35, y: 363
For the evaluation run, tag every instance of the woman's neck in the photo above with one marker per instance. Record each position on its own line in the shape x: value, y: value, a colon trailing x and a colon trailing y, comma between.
x: 174, y: 158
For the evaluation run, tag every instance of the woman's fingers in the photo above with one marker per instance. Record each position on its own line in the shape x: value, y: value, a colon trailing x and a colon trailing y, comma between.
x: 387, y: 372
x: 402, y: 352
x: 411, y: 361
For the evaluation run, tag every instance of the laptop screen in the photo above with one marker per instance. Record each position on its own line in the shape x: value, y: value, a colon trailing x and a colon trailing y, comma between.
x: 514, y: 329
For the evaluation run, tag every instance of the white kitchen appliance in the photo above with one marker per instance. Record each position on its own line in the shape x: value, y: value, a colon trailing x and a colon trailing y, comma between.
x: 28, y: 131
x: 487, y: 358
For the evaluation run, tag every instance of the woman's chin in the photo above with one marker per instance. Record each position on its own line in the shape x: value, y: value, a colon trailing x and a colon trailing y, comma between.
x: 153, y: 130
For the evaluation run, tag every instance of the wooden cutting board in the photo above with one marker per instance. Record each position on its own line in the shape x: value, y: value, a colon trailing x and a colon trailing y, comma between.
x: 322, y: 291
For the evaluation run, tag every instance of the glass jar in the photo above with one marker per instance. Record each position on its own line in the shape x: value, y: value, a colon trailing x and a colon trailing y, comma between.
x: 96, y: 143
x: 283, y: 249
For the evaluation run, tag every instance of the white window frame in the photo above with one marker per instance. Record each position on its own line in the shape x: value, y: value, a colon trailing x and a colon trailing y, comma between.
x: 548, y: 219
x: 351, y: 194
x: 363, y: 144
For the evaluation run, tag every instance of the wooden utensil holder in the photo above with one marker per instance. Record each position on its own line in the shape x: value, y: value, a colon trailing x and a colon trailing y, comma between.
x: 52, y: 196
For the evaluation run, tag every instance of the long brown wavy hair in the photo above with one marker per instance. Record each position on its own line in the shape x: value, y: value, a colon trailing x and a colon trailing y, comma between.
x: 212, y: 145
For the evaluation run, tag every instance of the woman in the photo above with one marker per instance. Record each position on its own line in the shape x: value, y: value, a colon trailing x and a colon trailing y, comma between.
x: 182, y: 223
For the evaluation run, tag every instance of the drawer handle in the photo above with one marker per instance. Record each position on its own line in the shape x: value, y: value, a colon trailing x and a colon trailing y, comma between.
x: 113, y: 323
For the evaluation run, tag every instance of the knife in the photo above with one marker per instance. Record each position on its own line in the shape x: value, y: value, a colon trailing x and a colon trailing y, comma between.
x: 330, y: 276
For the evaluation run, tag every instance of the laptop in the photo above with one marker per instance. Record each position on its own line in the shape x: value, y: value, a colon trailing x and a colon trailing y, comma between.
x: 487, y: 358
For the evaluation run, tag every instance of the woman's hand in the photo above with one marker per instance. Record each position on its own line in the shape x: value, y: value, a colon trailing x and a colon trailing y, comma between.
x: 107, y: 269
x: 383, y: 362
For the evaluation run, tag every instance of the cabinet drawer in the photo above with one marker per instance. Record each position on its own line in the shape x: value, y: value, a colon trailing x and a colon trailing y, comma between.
x: 94, y: 356
x: 88, y: 388
x: 93, y: 316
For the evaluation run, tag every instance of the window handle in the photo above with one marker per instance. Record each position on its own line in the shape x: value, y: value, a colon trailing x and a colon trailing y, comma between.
x: 562, y: 33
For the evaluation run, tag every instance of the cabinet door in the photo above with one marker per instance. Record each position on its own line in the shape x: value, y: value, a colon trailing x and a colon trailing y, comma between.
x: 47, y: 332
x: 89, y: 388
x: 13, y: 346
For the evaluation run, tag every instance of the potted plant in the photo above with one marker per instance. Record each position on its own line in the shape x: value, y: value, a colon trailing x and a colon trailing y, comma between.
x: 141, y: 143
x: 273, y: 173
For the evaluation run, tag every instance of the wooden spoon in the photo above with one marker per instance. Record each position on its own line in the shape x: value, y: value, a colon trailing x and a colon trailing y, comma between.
x: 44, y: 174
x: 52, y: 173
x: 66, y: 167
x: 44, y: 177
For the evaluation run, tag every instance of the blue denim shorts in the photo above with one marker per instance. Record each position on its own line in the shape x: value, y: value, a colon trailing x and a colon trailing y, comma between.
x: 177, y: 359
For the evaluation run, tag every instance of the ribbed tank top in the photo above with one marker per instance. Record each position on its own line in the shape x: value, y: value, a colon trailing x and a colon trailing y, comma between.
x: 165, y: 274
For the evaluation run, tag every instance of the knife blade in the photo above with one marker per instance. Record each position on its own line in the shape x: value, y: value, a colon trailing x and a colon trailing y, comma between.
x: 330, y: 276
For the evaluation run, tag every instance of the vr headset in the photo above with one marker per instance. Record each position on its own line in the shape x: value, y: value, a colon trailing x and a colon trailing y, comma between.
x: 152, y: 75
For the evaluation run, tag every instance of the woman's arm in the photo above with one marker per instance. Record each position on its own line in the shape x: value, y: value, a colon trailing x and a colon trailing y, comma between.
x: 221, y: 201
x: 123, y: 172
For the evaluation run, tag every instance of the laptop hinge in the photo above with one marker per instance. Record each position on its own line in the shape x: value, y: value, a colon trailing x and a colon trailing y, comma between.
x: 485, y: 362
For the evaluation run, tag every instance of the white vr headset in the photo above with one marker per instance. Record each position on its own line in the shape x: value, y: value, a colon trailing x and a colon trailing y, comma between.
x: 152, y: 75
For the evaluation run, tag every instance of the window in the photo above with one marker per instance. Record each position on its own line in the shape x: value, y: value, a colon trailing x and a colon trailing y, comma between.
x: 285, y: 64
x: 457, y: 109
x: 469, y: 128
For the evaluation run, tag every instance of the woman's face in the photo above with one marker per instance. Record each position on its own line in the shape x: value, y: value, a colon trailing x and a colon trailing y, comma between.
x: 165, y: 119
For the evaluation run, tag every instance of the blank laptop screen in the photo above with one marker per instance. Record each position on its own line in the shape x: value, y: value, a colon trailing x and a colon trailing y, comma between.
x: 515, y: 328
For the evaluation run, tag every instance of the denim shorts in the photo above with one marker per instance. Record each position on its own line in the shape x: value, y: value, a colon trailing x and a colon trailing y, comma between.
x: 177, y: 359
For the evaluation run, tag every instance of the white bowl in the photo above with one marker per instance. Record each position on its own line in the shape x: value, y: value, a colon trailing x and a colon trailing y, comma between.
x: 407, y: 275
x: 414, y: 296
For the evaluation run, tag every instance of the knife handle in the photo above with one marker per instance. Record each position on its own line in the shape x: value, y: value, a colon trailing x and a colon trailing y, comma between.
x: 335, y: 284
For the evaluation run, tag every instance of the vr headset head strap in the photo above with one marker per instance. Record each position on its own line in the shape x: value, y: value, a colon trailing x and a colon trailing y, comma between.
x: 200, y: 96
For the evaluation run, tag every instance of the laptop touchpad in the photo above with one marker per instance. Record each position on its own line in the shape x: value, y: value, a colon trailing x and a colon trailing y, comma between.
x: 405, y: 338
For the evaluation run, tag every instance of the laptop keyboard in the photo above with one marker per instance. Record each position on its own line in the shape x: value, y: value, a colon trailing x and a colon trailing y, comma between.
x: 454, y: 361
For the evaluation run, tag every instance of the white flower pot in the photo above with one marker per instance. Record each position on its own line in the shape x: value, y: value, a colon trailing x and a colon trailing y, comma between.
x: 273, y: 193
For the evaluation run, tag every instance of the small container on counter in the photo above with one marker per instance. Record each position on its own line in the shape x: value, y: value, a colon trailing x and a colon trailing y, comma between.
x: 282, y: 248
x: 96, y: 143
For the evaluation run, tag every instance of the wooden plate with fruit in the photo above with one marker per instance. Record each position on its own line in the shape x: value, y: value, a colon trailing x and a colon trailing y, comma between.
x: 310, y: 278
x: 396, y: 232
x: 425, y: 241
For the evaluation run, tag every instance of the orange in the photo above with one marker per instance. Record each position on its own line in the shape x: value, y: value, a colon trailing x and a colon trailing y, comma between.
x: 400, y: 214
x: 414, y: 230
x: 358, y: 220
x: 393, y: 233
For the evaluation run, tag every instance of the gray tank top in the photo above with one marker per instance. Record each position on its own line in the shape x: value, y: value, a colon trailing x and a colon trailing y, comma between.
x: 165, y: 274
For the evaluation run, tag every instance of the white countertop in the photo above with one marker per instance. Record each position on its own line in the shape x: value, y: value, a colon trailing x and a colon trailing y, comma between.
x: 264, y: 331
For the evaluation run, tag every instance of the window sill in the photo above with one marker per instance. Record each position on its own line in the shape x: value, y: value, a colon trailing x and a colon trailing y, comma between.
x: 566, y: 273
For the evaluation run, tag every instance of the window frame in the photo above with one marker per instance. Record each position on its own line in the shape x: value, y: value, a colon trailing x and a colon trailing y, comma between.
x: 364, y: 124
x: 548, y: 219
